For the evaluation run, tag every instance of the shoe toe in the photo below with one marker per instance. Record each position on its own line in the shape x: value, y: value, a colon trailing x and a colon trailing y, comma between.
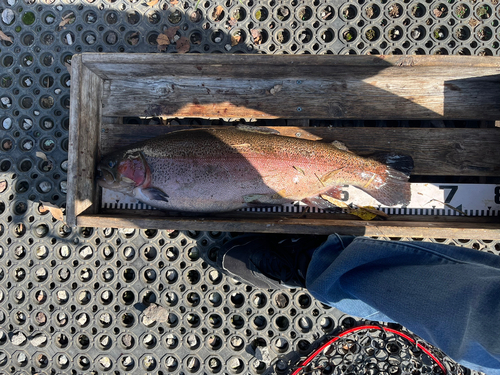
x: 240, y: 266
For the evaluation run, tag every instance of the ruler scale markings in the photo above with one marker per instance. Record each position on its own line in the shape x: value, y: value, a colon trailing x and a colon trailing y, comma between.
x: 427, y: 199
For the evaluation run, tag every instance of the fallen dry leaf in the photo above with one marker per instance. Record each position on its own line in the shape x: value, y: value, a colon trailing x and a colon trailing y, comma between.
x: 257, y: 36
x: 55, y: 211
x: 42, y: 156
x: 152, y: 3
x: 216, y: 15
x: 134, y: 38
x: 438, y: 12
x: 163, y: 41
x: 170, y: 33
x: 473, y: 22
x: 5, y: 37
x: 174, y: 2
x: 232, y: 21
x: 68, y: 18
x: 7, y: 144
x: 373, y: 210
x: 183, y: 45
x: 3, y: 186
x: 334, y: 201
x: 235, y: 40
x: 365, y: 213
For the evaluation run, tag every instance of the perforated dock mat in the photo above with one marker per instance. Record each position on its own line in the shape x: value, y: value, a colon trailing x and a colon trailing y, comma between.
x: 72, y: 301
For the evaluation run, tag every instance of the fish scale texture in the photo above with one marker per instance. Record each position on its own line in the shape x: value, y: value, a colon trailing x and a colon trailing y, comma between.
x: 72, y: 300
x: 224, y: 170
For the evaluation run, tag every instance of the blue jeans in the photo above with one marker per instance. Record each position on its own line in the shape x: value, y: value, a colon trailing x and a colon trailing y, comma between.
x: 447, y: 295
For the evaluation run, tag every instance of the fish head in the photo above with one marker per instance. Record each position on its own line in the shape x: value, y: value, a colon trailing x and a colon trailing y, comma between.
x: 123, y: 171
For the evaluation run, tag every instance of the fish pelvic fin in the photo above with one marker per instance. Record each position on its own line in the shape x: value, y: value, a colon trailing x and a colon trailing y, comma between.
x: 323, y: 200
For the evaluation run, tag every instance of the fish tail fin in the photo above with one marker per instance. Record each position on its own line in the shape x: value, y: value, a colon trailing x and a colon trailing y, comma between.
x: 396, y: 189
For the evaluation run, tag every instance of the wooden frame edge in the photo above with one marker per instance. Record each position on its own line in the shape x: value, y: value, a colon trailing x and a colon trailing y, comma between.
x: 74, y: 110
x: 468, y: 230
x: 84, y: 83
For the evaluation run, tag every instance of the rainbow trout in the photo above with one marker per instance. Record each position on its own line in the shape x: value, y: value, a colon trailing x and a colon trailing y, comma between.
x: 217, y: 170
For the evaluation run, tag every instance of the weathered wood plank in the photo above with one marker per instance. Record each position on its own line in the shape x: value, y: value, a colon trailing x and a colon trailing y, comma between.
x: 85, y: 120
x: 345, y: 92
x: 123, y: 65
x: 435, y: 151
x: 375, y: 87
x: 466, y: 230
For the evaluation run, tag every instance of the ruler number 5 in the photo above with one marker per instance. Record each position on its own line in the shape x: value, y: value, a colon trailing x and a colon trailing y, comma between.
x: 451, y: 194
x: 345, y: 194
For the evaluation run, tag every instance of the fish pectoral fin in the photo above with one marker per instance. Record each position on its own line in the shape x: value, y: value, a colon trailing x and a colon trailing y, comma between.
x: 320, y: 203
x: 155, y: 194
x: 334, y: 192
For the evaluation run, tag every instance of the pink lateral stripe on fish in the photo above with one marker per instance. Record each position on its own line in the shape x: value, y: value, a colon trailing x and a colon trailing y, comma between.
x: 218, y: 170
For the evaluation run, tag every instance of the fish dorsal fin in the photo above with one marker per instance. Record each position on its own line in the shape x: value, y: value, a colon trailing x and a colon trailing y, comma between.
x: 340, y: 146
x: 257, y: 129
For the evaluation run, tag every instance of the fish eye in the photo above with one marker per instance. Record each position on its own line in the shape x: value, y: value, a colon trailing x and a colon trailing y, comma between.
x: 111, y: 163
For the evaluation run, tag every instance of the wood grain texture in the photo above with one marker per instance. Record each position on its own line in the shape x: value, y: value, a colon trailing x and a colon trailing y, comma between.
x: 302, y: 225
x: 354, y: 87
x: 121, y: 65
x: 84, y: 137
x: 351, y: 93
x: 435, y: 151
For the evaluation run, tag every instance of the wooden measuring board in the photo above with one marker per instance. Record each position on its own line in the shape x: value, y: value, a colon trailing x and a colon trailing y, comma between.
x: 427, y: 199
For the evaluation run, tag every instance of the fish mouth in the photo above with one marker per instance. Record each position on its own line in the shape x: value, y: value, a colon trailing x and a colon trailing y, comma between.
x: 105, y: 177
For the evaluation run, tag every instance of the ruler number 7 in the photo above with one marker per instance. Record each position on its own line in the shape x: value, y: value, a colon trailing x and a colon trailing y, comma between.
x: 451, y: 194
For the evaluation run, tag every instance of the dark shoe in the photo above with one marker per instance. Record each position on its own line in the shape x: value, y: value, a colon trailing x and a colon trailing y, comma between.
x: 269, y: 261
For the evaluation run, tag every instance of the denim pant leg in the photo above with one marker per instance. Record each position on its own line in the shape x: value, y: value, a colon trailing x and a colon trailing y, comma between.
x: 448, y: 295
